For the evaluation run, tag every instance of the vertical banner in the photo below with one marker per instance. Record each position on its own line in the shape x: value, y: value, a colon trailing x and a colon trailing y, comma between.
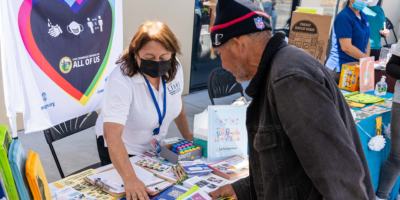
x: 56, y: 56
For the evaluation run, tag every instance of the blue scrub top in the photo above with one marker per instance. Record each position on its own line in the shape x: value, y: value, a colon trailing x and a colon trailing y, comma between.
x: 197, y: 4
x: 376, y: 18
x: 348, y: 25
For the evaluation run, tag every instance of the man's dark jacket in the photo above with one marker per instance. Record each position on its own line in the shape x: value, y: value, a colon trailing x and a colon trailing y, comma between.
x: 303, y: 142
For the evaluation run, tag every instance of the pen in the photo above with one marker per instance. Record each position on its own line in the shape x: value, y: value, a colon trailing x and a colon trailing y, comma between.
x: 110, y: 182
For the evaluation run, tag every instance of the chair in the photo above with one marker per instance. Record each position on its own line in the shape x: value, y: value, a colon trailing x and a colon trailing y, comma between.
x: 66, y: 129
x: 286, y: 28
x: 390, y: 26
x: 222, y: 84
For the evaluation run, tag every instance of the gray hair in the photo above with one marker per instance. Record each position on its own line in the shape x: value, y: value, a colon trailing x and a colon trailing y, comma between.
x: 260, y: 35
x: 256, y: 37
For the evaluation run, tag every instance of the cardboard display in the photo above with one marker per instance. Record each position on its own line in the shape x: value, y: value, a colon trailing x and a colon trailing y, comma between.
x: 349, y: 77
x: 367, y: 74
x: 36, y: 177
x: 310, y: 32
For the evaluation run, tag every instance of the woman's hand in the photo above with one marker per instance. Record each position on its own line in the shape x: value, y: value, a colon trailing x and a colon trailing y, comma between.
x: 136, y: 190
x: 385, y: 32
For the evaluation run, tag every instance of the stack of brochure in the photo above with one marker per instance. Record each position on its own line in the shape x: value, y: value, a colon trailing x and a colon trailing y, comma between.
x: 197, y: 170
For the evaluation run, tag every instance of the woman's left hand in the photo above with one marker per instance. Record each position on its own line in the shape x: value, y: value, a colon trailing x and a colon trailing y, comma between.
x: 385, y: 32
x: 190, y: 136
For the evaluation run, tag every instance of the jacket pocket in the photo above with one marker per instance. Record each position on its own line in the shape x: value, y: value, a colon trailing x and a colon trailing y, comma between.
x: 265, y: 144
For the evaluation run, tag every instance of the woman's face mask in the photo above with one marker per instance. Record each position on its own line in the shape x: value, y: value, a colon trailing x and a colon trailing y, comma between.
x: 360, y: 4
x: 154, y: 69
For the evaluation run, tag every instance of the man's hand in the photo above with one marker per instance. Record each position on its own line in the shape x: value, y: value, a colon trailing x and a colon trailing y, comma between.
x: 385, y: 32
x: 136, y: 190
x: 224, y: 191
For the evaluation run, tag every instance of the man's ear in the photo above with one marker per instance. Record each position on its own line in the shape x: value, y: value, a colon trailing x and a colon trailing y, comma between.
x: 236, y: 44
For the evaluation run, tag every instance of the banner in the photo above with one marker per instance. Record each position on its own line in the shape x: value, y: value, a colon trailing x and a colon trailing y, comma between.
x: 56, y: 56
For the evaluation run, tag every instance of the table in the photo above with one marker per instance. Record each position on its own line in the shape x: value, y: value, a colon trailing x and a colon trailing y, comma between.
x: 376, y: 159
x: 135, y: 159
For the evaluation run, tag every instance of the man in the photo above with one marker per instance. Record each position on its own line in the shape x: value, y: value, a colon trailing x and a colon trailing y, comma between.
x: 303, y: 143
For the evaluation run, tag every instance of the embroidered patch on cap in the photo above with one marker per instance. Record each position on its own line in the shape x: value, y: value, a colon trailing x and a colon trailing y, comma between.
x: 259, y: 23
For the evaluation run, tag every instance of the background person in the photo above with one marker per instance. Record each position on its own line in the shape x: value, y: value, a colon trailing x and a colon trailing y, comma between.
x: 391, y: 168
x: 376, y: 18
x: 141, y: 98
x: 350, y: 37
x: 269, y: 8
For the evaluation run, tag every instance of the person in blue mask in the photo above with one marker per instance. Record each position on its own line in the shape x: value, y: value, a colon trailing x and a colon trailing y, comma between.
x: 376, y: 18
x: 350, y: 37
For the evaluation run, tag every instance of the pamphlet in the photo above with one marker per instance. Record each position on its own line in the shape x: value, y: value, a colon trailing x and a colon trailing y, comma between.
x: 363, y: 98
x: 375, y: 110
x: 231, y: 168
x: 362, y: 114
x: 68, y: 193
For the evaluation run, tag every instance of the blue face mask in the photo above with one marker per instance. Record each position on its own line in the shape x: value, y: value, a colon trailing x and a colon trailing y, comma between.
x: 360, y: 5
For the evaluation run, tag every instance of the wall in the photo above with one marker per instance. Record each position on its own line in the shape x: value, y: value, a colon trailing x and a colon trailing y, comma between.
x: 391, y: 8
x: 177, y: 14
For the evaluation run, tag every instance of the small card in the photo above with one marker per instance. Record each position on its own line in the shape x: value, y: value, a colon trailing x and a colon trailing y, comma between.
x: 156, y: 146
x: 387, y: 104
x: 375, y: 110
x: 362, y: 115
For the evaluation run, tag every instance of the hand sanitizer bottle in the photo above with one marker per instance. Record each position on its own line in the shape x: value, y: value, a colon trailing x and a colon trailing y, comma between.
x: 381, y: 87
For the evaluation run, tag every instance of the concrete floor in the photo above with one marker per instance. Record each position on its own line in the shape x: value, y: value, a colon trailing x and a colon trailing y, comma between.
x: 80, y: 150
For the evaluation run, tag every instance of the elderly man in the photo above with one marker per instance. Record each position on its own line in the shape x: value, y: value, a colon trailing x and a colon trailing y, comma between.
x: 303, y: 143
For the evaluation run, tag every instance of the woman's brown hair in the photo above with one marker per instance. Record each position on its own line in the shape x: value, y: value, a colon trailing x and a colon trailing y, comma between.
x: 150, y: 31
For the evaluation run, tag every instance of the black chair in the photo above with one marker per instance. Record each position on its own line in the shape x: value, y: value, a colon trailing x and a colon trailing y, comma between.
x: 66, y: 129
x: 286, y: 28
x: 390, y: 26
x: 222, y: 84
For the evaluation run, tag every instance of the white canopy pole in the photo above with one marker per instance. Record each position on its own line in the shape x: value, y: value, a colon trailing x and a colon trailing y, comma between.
x: 13, y: 126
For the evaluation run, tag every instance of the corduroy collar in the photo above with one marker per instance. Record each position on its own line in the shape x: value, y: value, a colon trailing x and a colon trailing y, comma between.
x: 276, y: 43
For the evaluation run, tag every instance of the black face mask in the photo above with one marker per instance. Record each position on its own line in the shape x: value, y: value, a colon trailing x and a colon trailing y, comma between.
x: 154, y: 69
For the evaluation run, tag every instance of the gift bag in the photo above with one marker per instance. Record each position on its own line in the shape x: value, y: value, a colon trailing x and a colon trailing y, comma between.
x: 221, y: 131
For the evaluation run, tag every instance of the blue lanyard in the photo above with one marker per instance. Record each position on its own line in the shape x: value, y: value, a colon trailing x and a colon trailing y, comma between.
x: 156, y: 131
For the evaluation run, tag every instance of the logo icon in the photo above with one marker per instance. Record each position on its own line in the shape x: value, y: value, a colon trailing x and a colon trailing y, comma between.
x: 54, y: 31
x: 217, y: 38
x: 65, y: 65
x: 44, y: 96
x: 75, y: 28
x: 259, y: 23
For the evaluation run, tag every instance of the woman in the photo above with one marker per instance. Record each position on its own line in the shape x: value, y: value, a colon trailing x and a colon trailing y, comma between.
x: 141, y: 99
x: 391, y: 168
x: 376, y: 18
x: 269, y: 8
x: 350, y: 37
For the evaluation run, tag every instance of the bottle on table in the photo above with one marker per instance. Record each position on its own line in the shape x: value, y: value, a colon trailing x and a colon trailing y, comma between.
x: 381, y: 87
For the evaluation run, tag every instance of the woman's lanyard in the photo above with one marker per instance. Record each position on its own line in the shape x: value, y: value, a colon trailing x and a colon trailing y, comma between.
x: 156, y: 131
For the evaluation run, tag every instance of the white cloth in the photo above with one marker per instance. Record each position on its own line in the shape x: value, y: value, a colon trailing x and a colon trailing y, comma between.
x: 128, y: 101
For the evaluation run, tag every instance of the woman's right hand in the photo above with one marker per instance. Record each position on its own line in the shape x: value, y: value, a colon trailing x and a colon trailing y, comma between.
x: 136, y: 190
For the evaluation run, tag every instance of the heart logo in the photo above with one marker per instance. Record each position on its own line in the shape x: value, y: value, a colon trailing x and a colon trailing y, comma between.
x: 70, y: 40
